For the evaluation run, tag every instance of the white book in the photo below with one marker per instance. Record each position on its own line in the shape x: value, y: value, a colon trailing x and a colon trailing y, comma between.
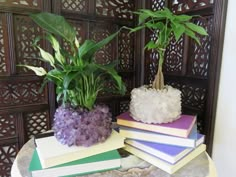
x: 51, y: 152
x: 165, y: 166
x: 136, y: 134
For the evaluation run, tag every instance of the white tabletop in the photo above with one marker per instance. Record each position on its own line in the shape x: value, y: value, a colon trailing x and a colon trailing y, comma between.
x: 202, y: 166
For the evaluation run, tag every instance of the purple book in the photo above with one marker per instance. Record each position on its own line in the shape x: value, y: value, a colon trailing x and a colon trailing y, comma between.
x: 180, y: 127
x: 168, y: 153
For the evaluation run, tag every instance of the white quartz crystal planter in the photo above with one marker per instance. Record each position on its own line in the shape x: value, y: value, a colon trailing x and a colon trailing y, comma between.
x: 149, y: 105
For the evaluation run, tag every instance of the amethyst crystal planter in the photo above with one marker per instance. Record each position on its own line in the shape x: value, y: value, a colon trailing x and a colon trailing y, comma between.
x: 80, y: 127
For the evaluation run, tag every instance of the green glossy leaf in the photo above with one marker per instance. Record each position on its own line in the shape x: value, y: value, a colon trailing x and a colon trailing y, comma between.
x: 39, y: 71
x: 91, y: 49
x: 192, y: 35
x: 196, y: 28
x: 178, y: 31
x: 55, y: 24
x: 85, y: 48
x: 47, y: 57
x: 113, y: 73
x: 158, y: 25
x: 183, y: 18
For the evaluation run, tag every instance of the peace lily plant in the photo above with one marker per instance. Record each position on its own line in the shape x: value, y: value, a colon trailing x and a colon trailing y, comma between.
x: 161, y: 103
x: 78, y: 80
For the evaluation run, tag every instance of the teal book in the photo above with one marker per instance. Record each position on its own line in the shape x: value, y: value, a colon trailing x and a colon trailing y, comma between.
x: 97, y: 163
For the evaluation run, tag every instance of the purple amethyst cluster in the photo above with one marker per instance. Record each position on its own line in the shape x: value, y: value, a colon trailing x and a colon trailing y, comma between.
x: 81, y: 127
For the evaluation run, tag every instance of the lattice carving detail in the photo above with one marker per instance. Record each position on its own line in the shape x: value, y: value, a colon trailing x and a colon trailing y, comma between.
x: 200, y: 55
x: 7, y: 125
x: 22, y: 3
x: 188, y: 5
x: 115, y: 8
x: 78, y: 6
x: 23, y: 93
x: 36, y: 122
x: 124, y: 106
x: 97, y: 33
x: 193, y: 96
x: 7, y: 156
x: 3, y: 64
x: 157, y: 4
x: 125, y: 50
x: 26, y: 31
x: 174, y: 56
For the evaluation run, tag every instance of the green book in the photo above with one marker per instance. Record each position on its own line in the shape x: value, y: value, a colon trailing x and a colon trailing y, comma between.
x: 97, y: 163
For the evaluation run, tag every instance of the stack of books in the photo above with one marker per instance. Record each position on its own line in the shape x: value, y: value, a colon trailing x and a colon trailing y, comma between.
x: 168, y: 146
x: 51, y: 158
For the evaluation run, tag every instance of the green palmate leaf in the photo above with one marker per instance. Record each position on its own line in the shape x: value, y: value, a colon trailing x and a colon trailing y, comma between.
x: 151, y: 45
x: 47, y: 56
x: 196, y: 28
x: 192, y: 35
x: 142, y: 18
x: 39, y: 71
x: 183, y: 18
x: 55, y: 24
x: 178, y: 30
x: 157, y: 14
x: 158, y: 25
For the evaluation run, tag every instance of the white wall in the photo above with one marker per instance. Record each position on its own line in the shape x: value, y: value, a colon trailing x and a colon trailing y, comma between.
x: 224, y: 144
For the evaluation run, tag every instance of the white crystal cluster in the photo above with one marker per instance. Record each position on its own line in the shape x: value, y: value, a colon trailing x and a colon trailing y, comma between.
x: 149, y: 105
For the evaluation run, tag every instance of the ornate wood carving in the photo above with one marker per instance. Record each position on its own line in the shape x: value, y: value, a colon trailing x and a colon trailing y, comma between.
x: 174, y: 57
x: 115, y: 8
x: 4, y: 65
x: 7, y: 155
x: 21, y: 93
x: 189, y: 5
x: 200, y: 55
x: 36, y: 122
x: 126, y: 50
x: 36, y: 4
x: 25, y: 32
x: 75, y: 6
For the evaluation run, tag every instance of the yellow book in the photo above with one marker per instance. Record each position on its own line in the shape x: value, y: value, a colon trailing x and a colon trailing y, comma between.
x: 164, y: 165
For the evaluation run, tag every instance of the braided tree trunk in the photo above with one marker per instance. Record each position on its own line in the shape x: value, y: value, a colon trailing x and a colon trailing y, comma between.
x: 158, y: 82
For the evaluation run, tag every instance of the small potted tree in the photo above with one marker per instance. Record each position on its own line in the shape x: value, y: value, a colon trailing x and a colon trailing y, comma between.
x: 161, y: 103
x: 78, y: 80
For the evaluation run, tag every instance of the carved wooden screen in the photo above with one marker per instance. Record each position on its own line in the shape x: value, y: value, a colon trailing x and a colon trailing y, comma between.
x: 189, y: 66
x: 24, y: 111
x: 96, y: 19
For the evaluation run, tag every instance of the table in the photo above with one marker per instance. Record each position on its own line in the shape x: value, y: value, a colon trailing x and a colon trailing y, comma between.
x: 202, y: 166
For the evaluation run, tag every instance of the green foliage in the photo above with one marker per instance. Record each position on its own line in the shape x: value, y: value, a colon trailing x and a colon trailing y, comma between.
x: 78, y: 78
x: 166, y: 24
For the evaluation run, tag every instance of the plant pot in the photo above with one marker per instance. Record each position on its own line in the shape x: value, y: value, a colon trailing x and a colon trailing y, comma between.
x: 149, y: 105
x: 81, y: 127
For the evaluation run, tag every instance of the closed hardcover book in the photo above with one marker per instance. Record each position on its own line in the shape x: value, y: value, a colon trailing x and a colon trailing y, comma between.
x: 144, y: 135
x: 162, y: 164
x: 171, y: 154
x: 101, y: 162
x: 51, y: 152
x: 180, y: 127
